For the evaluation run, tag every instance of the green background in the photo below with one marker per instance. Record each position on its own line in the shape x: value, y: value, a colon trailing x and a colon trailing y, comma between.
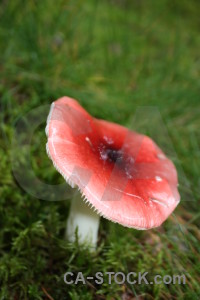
x: 114, y: 57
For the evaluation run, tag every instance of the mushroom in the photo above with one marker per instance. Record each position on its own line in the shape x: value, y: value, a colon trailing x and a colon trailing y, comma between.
x: 121, y: 175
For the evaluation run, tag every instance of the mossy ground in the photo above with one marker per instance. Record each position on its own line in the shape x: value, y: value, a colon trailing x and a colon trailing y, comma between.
x: 113, y: 56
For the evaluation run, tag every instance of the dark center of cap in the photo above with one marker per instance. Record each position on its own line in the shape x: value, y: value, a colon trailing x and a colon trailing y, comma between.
x: 117, y: 157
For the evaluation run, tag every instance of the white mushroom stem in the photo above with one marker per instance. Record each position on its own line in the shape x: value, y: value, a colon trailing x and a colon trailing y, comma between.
x: 82, y: 221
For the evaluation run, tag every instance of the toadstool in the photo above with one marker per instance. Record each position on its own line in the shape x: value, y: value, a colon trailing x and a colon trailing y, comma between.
x: 123, y: 175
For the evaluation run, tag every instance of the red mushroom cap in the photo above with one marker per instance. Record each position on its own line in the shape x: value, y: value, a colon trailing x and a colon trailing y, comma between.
x: 124, y: 175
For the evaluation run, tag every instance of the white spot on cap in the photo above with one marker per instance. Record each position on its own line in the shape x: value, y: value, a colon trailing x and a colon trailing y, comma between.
x: 159, y: 202
x: 55, y: 131
x: 104, y: 155
x: 158, y: 178
x: 89, y: 141
x: 129, y: 175
x: 108, y: 140
x: 161, y: 156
